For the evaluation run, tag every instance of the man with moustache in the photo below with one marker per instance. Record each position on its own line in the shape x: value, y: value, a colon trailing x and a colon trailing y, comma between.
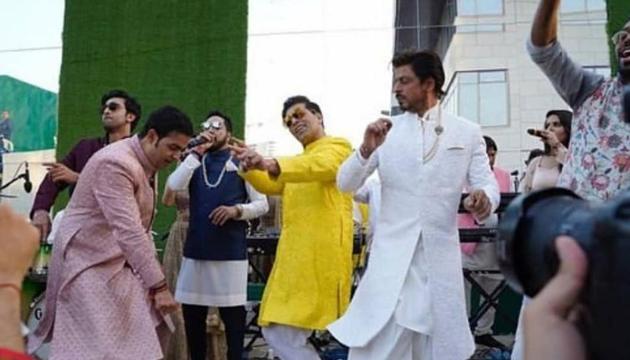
x: 120, y: 113
x: 214, y: 268
x: 106, y: 291
x: 598, y: 163
x: 410, y: 302
x: 309, y: 285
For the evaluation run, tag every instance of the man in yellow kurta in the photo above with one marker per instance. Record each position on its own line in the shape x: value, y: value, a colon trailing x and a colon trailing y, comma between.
x: 309, y: 285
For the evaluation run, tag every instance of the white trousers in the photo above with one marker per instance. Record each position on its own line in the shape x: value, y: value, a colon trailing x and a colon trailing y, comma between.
x: 394, y: 342
x: 289, y: 342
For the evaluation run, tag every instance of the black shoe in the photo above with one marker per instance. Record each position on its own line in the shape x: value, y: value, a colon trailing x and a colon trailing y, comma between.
x: 489, y: 341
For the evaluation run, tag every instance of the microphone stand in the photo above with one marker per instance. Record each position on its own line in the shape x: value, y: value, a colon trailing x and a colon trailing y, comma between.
x: 515, y: 180
x: 21, y: 176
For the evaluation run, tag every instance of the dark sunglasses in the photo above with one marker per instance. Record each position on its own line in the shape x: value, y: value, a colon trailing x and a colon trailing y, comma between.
x: 298, y: 114
x: 111, y: 106
x: 212, y: 125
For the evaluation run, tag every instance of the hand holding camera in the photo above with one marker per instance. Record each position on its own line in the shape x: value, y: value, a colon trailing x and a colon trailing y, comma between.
x: 550, y: 319
x: 529, y: 259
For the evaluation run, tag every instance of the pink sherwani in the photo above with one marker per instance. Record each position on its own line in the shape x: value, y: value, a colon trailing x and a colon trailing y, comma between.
x: 104, y: 262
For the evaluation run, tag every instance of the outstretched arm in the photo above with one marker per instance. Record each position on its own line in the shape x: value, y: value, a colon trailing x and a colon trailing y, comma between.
x: 545, y: 24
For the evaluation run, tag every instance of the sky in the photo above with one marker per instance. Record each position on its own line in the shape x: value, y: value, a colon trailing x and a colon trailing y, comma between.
x: 29, y: 24
x: 335, y: 52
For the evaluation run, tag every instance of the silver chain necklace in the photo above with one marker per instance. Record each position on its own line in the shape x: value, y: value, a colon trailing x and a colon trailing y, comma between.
x: 205, y: 173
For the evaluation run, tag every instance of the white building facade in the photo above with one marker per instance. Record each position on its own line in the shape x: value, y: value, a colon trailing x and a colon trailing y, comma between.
x: 491, y: 79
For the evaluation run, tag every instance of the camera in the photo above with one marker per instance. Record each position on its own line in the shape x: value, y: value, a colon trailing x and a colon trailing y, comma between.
x: 528, y: 259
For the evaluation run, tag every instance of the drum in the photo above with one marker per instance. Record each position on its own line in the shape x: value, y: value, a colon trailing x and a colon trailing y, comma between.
x: 35, y: 316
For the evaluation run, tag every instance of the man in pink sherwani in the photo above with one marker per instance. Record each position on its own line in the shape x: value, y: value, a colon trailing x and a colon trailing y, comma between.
x: 106, y: 290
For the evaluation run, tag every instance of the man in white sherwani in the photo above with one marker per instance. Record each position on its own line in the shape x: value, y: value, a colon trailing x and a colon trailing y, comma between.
x: 410, y: 303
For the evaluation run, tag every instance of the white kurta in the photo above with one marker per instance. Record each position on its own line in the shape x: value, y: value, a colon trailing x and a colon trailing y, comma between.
x: 370, y: 193
x: 419, y: 202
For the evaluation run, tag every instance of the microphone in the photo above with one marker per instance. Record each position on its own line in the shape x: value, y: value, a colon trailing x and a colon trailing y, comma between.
x: 28, y: 185
x: 196, y: 142
x: 534, y: 132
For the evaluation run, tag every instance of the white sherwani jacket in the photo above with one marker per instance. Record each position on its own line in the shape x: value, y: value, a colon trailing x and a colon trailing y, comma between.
x: 419, y: 201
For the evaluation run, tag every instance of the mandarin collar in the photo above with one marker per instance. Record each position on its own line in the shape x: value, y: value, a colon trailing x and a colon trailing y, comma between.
x: 148, y: 167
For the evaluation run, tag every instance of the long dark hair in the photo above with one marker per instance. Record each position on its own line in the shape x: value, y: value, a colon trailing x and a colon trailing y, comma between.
x: 565, y: 120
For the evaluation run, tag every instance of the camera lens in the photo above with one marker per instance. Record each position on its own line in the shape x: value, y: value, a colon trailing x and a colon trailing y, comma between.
x: 527, y: 233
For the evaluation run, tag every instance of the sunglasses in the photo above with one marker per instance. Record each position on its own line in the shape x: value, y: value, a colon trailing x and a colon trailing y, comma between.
x: 297, y: 114
x: 112, y: 106
x: 211, y: 125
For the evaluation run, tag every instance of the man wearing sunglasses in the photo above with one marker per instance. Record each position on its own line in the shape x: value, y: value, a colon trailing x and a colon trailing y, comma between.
x: 214, y: 268
x: 120, y: 114
x: 309, y: 286
x: 599, y: 150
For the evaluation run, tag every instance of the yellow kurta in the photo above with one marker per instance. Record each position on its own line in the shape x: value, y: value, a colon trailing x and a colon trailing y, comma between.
x: 309, y: 285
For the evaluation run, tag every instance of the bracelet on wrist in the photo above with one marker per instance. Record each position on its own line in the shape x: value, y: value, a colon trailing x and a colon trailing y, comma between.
x: 159, y: 288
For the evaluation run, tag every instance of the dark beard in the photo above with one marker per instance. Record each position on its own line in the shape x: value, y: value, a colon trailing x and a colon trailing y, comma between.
x: 218, y: 145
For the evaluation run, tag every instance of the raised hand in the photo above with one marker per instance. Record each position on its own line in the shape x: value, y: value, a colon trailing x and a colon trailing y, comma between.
x: 202, y: 148
x: 550, y: 138
x: 249, y: 159
x: 61, y: 173
x: 374, y: 136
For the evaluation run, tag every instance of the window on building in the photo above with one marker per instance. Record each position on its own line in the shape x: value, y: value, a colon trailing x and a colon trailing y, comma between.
x: 479, y: 96
x: 477, y: 28
x: 568, y: 6
x: 479, y: 7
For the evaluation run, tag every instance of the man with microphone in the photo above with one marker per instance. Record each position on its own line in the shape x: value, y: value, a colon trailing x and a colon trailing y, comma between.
x: 214, y: 268
x: 120, y: 113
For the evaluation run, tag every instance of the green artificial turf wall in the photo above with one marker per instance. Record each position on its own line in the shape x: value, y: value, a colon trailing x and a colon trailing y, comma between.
x: 191, y: 54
